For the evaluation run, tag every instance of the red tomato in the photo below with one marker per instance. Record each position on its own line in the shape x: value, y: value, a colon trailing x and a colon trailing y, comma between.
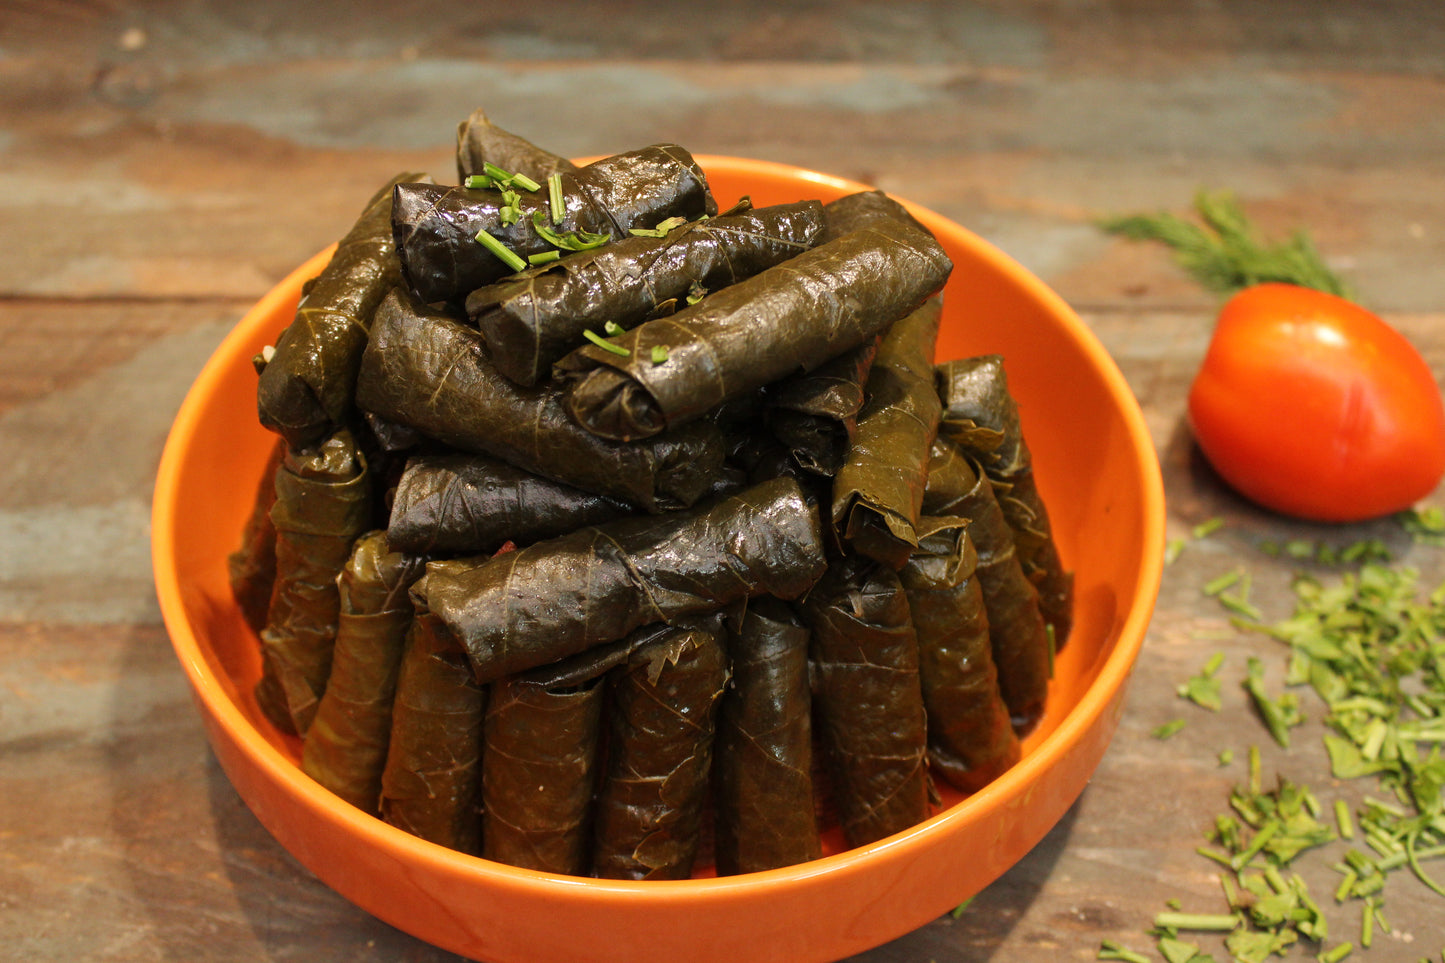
x: 1312, y: 406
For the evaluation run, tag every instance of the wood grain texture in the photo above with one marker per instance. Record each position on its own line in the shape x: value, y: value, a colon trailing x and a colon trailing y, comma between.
x: 164, y: 163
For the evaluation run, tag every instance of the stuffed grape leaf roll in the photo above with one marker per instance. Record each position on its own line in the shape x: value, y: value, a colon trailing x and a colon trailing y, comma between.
x: 970, y: 738
x: 815, y: 414
x: 763, y: 760
x: 532, y: 319
x: 345, y: 747
x: 664, y: 702
x: 1016, y: 627
x: 252, y: 566
x: 853, y: 212
x: 562, y: 596
x: 540, y: 751
x: 481, y: 142
x: 981, y: 416
x: 425, y: 370
x: 323, y: 504
x: 305, y: 388
x: 878, y: 491
x: 454, y: 503
x: 430, y: 786
x: 790, y: 318
x: 867, y: 698
x: 436, y: 227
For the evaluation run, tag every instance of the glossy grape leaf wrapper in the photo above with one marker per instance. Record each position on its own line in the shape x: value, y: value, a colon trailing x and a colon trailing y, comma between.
x: 425, y: 370
x: 305, y: 390
x: 878, y: 491
x: 815, y: 414
x: 853, y: 212
x: 323, y: 504
x: 662, y: 719
x: 451, y: 503
x: 345, y: 747
x: 981, y: 417
x: 970, y: 738
x: 436, y: 227
x: 562, y: 596
x: 867, y: 699
x: 763, y: 761
x: 533, y: 318
x: 252, y: 566
x: 432, y: 781
x: 788, y: 319
x: 1018, y: 634
x: 539, y: 771
x: 481, y: 142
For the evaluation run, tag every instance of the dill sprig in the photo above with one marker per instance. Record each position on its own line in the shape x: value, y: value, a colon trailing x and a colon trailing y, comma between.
x: 1223, y: 252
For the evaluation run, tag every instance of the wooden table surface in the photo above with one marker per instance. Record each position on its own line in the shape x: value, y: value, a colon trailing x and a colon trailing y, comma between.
x: 162, y: 164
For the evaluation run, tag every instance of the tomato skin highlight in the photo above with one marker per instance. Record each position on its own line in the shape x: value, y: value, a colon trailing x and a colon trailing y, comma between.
x: 1312, y: 406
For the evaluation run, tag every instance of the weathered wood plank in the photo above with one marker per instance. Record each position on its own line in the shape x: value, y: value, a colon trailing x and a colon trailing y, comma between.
x: 165, y: 163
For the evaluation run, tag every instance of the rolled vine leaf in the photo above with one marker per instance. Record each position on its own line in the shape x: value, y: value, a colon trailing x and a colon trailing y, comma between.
x: 565, y: 595
x: 436, y: 228
x: 664, y: 700
x: 307, y: 383
x: 785, y: 320
x: 532, y: 319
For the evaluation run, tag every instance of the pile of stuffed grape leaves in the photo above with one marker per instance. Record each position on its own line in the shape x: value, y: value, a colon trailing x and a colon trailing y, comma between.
x: 612, y: 531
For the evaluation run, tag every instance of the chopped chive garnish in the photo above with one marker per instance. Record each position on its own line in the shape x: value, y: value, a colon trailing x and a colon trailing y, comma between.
x: 1342, y: 892
x: 1227, y: 580
x: 1344, y: 823
x: 1110, y: 950
x: 511, y: 210
x: 612, y: 329
x: 554, y: 197
x: 478, y: 182
x: 662, y: 229
x: 506, y: 254
x: 544, y: 257
x: 659, y: 353
x: 1208, y: 527
x: 1173, y: 550
x: 1337, y: 953
x: 606, y: 345
x: 1167, y: 729
x: 1215, y: 855
x: 1199, y: 922
x: 507, y: 178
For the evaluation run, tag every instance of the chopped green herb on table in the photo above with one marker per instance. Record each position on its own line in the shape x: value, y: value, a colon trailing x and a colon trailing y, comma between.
x: 1368, y: 642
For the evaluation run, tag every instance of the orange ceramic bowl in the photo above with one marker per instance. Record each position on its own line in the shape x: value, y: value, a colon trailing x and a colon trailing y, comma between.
x: 1096, y: 469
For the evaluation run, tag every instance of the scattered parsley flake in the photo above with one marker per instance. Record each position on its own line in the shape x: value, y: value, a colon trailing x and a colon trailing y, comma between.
x: 1204, y: 689
x: 569, y: 240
